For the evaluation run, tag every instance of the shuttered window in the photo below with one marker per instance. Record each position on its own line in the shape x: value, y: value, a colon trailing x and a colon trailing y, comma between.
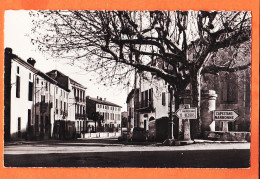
x: 163, y: 98
x: 18, y: 86
x: 30, y: 91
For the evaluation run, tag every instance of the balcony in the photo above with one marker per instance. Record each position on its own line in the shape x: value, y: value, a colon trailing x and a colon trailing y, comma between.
x: 145, y: 106
x: 79, y: 100
x: 80, y: 116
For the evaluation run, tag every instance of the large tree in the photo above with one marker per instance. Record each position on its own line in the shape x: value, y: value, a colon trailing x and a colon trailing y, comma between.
x: 115, y: 43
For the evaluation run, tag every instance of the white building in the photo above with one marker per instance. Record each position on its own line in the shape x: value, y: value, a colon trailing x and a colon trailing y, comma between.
x: 110, y: 112
x: 151, y: 106
x: 76, y: 99
x: 30, y: 99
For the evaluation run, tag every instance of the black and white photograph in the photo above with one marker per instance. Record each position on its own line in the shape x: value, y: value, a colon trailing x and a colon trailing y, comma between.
x: 127, y: 89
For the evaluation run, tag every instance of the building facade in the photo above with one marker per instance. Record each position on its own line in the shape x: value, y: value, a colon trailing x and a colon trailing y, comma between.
x: 232, y: 91
x: 76, y: 100
x: 31, y: 105
x: 105, y: 115
x: 150, y: 107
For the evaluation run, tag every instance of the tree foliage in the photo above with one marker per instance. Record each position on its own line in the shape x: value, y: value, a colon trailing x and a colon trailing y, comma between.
x: 177, y: 46
x: 108, y: 41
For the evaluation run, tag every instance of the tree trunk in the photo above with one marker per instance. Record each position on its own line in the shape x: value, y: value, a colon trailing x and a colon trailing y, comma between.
x: 176, y: 131
x: 170, y: 122
x: 173, y: 123
x: 195, y: 102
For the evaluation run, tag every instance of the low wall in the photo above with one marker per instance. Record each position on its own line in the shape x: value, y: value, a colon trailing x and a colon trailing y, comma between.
x: 227, y: 136
x: 101, y: 135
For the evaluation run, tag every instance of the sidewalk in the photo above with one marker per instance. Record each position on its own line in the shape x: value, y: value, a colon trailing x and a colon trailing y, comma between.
x: 110, y: 142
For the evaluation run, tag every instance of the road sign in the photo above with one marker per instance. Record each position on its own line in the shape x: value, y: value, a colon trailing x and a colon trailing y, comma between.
x: 225, y: 115
x: 190, y: 113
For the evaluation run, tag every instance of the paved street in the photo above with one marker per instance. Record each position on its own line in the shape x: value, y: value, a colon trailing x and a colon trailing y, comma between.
x: 111, y: 153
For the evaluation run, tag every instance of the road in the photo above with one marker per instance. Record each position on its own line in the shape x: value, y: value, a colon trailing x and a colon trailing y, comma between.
x: 111, y: 153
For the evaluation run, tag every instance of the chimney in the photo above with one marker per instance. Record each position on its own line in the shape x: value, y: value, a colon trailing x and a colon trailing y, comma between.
x: 100, y: 99
x: 105, y: 99
x: 31, y: 61
x: 97, y: 97
x: 8, y: 51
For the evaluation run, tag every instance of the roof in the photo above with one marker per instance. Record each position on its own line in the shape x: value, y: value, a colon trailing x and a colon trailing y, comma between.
x: 73, y: 82
x: 130, y: 95
x: 103, y: 102
x: 24, y: 63
x: 36, y: 71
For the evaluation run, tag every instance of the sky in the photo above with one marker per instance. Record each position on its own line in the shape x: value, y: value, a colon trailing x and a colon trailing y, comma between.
x: 17, y: 29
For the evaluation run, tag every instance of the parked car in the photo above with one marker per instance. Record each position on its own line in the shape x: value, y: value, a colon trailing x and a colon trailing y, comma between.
x: 139, y: 134
x: 125, y: 136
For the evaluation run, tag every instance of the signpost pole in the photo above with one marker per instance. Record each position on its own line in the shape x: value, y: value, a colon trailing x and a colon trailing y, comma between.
x: 185, y: 113
x: 225, y: 126
x: 186, y: 129
x: 225, y: 116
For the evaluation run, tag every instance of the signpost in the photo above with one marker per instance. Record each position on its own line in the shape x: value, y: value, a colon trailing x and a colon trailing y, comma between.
x: 190, y: 113
x: 185, y: 112
x: 225, y: 116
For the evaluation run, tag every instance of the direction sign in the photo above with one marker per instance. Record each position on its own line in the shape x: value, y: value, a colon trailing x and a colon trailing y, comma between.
x: 225, y: 115
x: 190, y: 113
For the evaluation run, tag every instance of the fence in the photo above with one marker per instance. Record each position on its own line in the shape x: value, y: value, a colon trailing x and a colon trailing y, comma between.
x: 100, y: 135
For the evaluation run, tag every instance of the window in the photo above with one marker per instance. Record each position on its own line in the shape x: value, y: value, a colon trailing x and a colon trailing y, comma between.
x: 46, y: 86
x: 29, y: 117
x: 37, y: 80
x: 163, y: 98
x: 56, y: 105
x: 56, y: 90
x: 64, y: 106
x: 42, y: 98
x: 30, y: 75
x: 30, y: 91
x: 18, y: 69
x: 146, y: 98
x: 80, y: 95
x: 19, y: 127
x: 150, y: 96
x: 18, y: 86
